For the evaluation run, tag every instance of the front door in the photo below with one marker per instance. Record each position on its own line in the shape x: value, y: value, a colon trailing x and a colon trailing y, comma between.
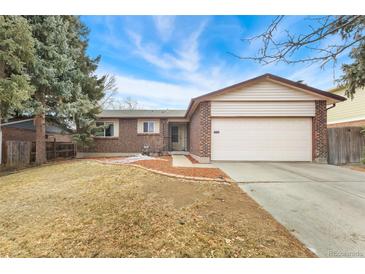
x: 177, y: 137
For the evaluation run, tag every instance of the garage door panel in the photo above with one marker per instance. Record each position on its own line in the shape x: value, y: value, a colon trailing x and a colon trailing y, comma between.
x: 262, y: 139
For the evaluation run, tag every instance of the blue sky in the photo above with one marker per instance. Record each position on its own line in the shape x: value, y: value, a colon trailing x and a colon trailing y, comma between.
x: 164, y: 61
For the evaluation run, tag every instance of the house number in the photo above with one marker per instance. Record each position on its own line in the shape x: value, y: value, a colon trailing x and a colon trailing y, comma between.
x: 216, y: 131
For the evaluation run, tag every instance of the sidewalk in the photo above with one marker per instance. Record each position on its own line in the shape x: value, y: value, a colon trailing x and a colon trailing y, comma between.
x: 182, y: 161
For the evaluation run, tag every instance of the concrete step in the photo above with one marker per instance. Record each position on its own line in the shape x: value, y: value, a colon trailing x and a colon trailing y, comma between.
x: 178, y: 152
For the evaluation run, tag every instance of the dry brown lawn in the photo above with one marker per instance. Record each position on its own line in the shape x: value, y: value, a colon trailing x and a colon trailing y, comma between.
x: 89, y: 209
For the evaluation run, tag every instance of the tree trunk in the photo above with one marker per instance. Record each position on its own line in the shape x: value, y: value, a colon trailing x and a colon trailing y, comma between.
x: 1, y: 142
x: 40, y: 128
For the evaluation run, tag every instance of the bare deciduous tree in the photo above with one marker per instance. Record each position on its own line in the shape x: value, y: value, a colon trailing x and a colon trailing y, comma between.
x: 110, y: 90
x: 110, y: 100
x: 326, y: 39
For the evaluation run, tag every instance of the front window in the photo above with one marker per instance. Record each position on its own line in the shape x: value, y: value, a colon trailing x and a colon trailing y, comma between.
x: 149, y: 127
x: 104, y: 129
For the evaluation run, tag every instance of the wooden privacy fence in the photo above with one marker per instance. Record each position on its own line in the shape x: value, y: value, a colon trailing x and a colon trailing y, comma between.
x: 56, y: 150
x: 21, y: 153
x: 345, y: 145
x: 17, y: 153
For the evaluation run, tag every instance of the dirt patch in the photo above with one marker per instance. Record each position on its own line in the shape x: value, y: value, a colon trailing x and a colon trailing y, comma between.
x: 89, y: 209
x: 164, y: 164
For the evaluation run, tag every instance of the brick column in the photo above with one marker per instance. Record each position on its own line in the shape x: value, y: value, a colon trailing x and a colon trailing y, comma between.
x: 319, y: 128
x: 165, y: 135
x: 205, y: 126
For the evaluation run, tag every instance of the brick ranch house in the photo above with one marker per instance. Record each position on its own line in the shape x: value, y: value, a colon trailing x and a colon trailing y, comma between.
x: 267, y: 118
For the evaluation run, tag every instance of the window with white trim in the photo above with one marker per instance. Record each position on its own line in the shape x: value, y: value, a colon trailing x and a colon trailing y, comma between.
x: 104, y: 129
x: 149, y: 127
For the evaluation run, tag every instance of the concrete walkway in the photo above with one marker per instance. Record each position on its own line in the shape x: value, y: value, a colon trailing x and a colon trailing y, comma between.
x: 182, y: 161
x: 322, y: 205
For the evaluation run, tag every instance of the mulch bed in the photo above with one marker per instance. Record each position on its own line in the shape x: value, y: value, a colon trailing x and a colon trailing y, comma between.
x: 164, y: 164
x: 192, y: 159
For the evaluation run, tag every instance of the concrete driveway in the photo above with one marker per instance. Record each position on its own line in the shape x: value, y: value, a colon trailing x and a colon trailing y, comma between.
x: 322, y: 205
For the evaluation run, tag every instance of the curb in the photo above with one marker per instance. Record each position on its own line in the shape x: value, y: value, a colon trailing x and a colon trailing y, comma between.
x: 181, y: 176
x: 221, y: 181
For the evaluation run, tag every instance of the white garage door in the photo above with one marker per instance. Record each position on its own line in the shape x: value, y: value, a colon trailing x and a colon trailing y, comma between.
x: 262, y: 139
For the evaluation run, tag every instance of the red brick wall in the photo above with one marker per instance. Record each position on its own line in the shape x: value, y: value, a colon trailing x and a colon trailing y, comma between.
x: 194, y: 132
x: 129, y: 141
x: 200, y: 131
x: 164, y: 130
x: 319, y: 128
x: 205, y: 134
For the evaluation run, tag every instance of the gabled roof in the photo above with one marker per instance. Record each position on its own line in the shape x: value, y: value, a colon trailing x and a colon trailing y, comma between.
x: 174, y: 113
x: 266, y: 76
x: 143, y: 113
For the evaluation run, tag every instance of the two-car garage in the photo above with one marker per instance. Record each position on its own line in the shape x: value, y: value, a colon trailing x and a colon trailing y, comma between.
x: 262, y: 139
x: 262, y: 122
x: 267, y: 118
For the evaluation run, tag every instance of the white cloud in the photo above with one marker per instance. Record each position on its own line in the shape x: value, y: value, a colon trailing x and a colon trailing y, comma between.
x: 185, y: 58
x: 165, y: 26
x: 161, y: 94
x: 188, y: 56
x: 148, y: 52
x: 313, y: 75
x: 154, y: 92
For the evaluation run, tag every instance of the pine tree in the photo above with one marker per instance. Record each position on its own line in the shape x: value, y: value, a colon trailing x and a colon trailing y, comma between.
x: 16, y: 55
x: 52, y: 73
x: 67, y: 87
x: 82, y: 107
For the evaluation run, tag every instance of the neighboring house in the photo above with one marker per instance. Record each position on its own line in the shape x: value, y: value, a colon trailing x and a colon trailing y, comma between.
x: 25, y: 131
x: 348, y: 113
x: 267, y: 118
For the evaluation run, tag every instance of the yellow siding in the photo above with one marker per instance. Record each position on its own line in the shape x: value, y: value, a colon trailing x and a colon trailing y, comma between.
x: 349, y: 110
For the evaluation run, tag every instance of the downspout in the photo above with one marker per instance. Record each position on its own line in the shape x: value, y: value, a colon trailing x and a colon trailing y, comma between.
x: 333, y: 105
